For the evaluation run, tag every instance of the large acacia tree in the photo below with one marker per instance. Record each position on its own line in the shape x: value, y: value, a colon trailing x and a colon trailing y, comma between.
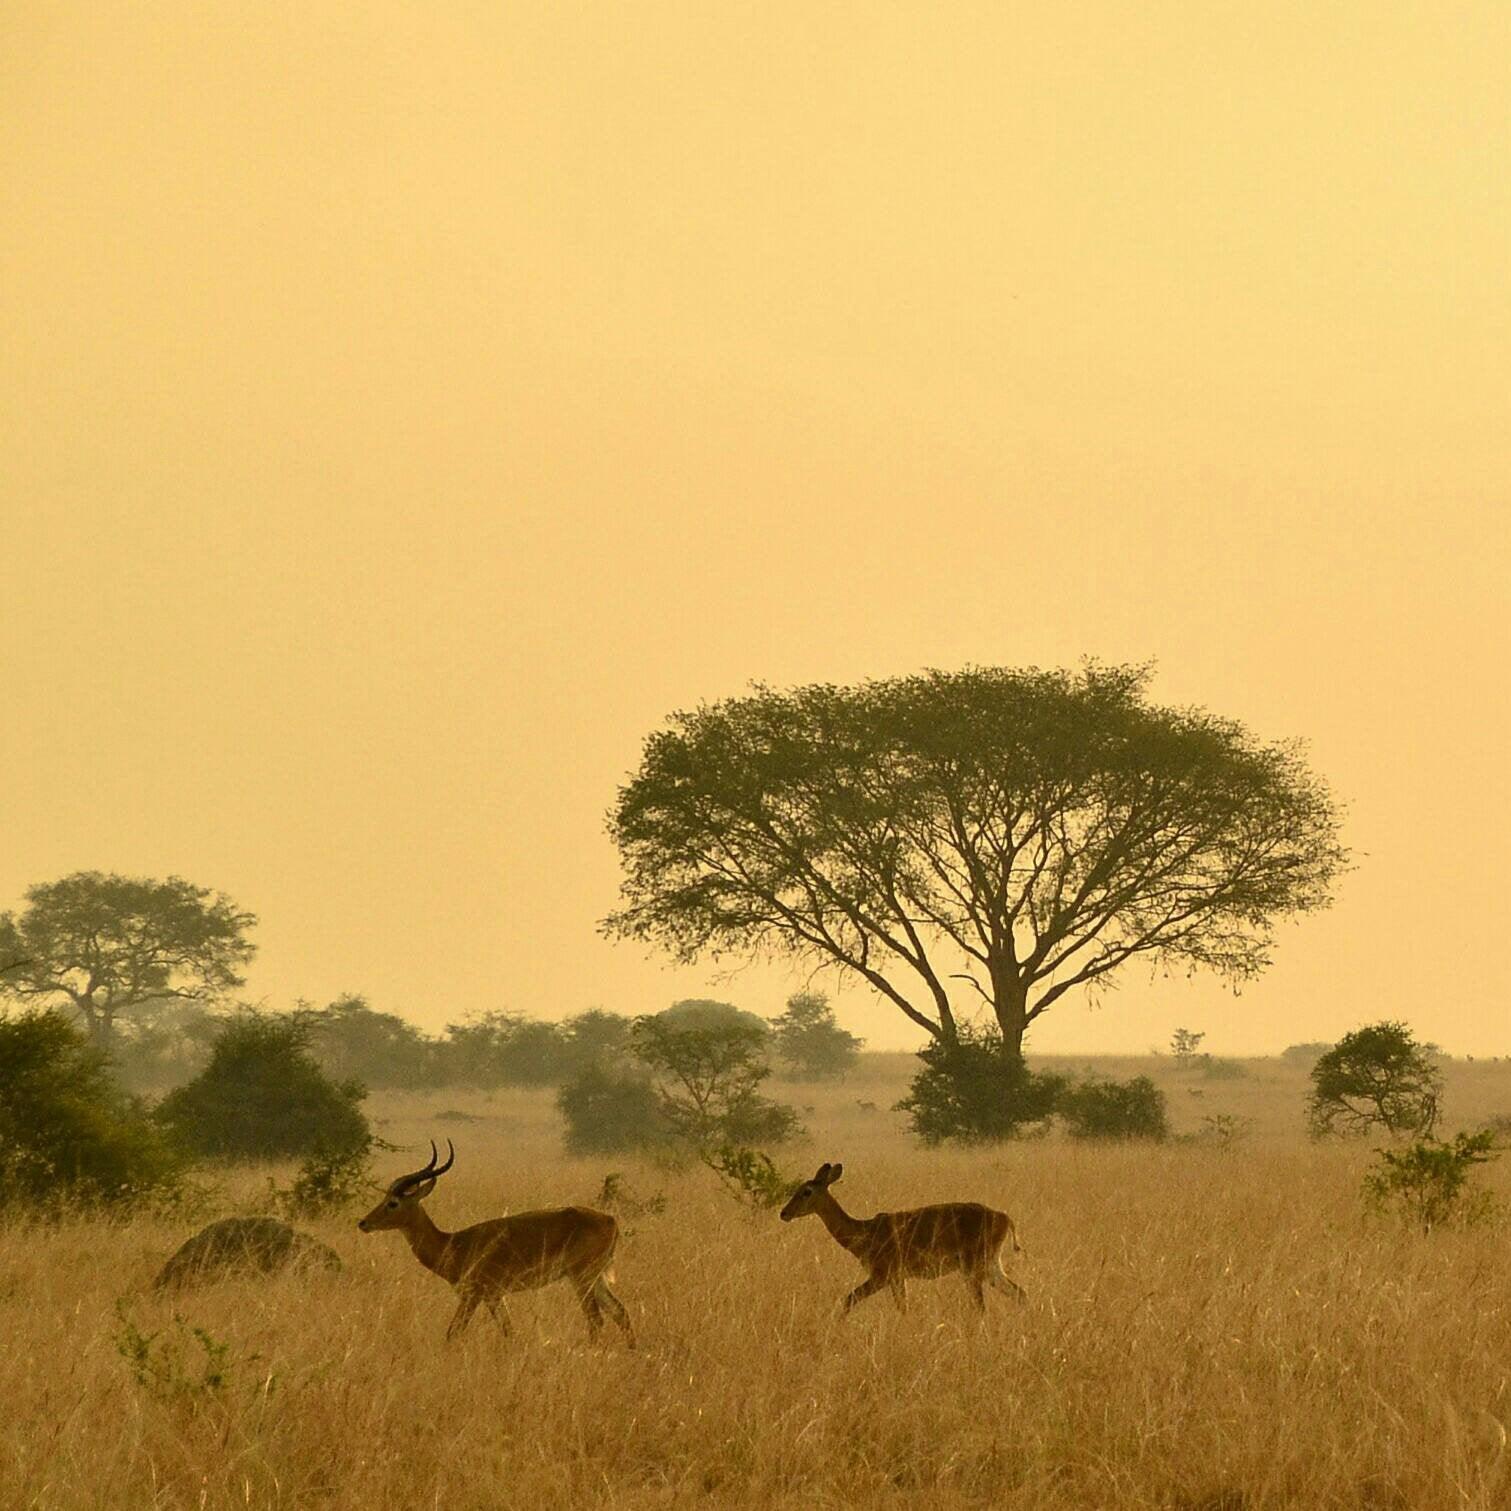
x: 110, y: 947
x: 993, y: 835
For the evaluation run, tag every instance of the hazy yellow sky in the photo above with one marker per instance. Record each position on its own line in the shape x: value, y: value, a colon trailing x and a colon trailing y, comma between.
x: 404, y: 406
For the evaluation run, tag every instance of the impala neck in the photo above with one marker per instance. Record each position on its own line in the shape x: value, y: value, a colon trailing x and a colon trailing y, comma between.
x: 431, y: 1246
x: 849, y: 1232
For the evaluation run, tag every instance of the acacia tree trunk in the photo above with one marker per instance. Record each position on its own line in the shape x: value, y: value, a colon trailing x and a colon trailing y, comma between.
x: 1010, y: 1002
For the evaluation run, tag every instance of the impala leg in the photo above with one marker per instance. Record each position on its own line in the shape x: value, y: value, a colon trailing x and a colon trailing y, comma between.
x: 591, y: 1309
x: 464, y: 1310
x: 610, y: 1303
x: 900, y: 1293
x: 974, y: 1284
x: 868, y: 1287
x: 1000, y: 1280
x: 500, y: 1314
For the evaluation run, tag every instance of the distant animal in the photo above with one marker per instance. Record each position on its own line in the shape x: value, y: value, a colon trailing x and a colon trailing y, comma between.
x: 242, y: 1246
x: 922, y: 1243
x: 519, y: 1253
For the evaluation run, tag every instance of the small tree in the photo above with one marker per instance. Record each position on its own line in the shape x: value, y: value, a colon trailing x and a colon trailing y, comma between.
x: 595, y: 1037
x: 976, y: 1090
x: 1376, y: 1077
x: 353, y: 1042
x: 111, y: 947
x: 707, y: 1080
x: 809, y: 1040
x: 1100, y: 1109
x: 1184, y: 1045
x: 263, y: 1096
x: 505, y: 1049
x: 66, y: 1129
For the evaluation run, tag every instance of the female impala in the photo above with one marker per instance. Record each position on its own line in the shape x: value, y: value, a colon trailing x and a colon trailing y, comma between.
x: 506, y: 1253
x: 925, y: 1242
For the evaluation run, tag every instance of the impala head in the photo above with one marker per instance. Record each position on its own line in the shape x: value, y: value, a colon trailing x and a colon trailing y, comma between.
x: 806, y: 1198
x: 406, y: 1193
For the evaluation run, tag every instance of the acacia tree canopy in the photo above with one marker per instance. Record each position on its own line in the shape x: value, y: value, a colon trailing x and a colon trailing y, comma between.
x: 113, y: 945
x: 1006, y: 834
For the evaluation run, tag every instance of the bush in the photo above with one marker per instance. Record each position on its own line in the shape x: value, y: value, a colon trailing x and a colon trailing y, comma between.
x: 1100, y: 1109
x: 1376, y: 1077
x: 751, y: 1176
x: 262, y: 1096
x: 609, y: 1110
x: 975, y: 1090
x: 1429, y: 1181
x: 1305, y: 1054
x: 327, y: 1181
x: 1223, y: 1070
x: 67, y: 1132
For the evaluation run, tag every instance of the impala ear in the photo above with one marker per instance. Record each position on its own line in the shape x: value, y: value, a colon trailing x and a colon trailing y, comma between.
x: 822, y: 1178
x: 835, y: 1171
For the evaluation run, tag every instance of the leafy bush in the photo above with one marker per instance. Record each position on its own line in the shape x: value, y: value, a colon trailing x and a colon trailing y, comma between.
x: 1428, y: 1182
x: 327, y: 1181
x: 975, y: 1090
x: 750, y: 1176
x: 1098, y: 1109
x: 67, y: 1132
x: 809, y: 1040
x: 608, y: 1110
x: 262, y: 1096
x: 1377, y: 1076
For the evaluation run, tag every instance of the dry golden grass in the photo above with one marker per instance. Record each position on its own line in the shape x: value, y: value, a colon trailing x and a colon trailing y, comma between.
x: 1207, y: 1328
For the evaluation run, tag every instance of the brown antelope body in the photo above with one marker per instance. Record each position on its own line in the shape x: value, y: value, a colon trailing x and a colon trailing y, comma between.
x: 919, y: 1244
x: 520, y: 1253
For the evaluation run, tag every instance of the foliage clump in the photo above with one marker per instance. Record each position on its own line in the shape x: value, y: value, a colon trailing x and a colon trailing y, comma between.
x: 976, y: 1090
x: 263, y: 1097
x: 707, y: 1078
x: 1376, y: 1077
x: 810, y: 1042
x: 67, y: 1131
x: 611, y: 1109
x: 1104, y: 1109
x: 1429, y: 1182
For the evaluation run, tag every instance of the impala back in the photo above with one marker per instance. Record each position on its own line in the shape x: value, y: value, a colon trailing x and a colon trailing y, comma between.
x: 527, y: 1250
x: 940, y: 1239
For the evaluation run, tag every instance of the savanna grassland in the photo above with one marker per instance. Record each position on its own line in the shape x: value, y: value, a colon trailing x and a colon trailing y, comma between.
x: 1208, y: 1326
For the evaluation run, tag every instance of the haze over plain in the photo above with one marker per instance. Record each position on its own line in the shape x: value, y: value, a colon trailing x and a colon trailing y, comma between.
x: 404, y: 409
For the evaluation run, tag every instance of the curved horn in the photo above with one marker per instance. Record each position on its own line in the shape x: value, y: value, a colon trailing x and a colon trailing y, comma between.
x: 450, y: 1160
x: 416, y: 1176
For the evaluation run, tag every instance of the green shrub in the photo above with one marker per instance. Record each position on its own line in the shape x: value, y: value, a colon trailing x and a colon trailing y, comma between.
x: 974, y: 1090
x: 608, y: 1110
x: 262, y: 1096
x: 1099, y: 1109
x: 1429, y: 1182
x: 67, y: 1131
x: 751, y: 1176
x: 327, y: 1181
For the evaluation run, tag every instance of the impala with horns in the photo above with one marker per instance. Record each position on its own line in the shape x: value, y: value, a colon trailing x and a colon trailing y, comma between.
x: 922, y: 1243
x: 505, y: 1253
